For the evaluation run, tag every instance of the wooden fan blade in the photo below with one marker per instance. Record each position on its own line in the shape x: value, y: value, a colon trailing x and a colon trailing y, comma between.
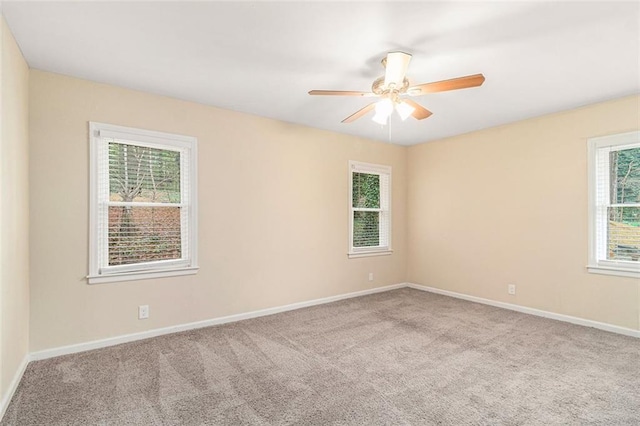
x: 396, y: 68
x: 445, y: 85
x: 420, y: 112
x: 340, y: 93
x: 359, y: 113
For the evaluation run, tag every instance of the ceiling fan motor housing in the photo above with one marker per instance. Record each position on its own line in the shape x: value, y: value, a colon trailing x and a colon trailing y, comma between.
x: 379, y: 88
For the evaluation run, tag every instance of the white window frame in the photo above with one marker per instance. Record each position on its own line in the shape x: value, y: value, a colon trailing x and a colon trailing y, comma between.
x: 598, y: 263
x: 99, y: 135
x: 385, y: 206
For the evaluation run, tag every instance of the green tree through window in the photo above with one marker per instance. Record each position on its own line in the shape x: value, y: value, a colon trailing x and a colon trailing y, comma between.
x: 624, y: 211
x: 366, y: 224
x: 370, y: 208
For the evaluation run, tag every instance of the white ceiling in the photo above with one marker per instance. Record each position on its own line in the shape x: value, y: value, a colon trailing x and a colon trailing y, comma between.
x: 262, y: 58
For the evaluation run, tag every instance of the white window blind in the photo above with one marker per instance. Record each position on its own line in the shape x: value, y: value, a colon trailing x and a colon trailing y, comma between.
x: 615, y: 203
x: 143, y: 202
x: 370, y: 209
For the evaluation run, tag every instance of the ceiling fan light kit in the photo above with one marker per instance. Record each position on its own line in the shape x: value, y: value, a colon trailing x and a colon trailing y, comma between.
x: 404, y: 110
x: 394, y: 85
x: 384, y: 108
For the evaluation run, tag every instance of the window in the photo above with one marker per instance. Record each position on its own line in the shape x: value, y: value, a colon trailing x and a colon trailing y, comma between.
x: 614, y: 198
x: 370, y: 209
x: 143, y: 204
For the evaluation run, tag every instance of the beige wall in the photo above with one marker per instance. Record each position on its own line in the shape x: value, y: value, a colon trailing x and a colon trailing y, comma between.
x: 509, y: 205
x: 473, y: 214
x: 273, y: 214
x: 14, y: 211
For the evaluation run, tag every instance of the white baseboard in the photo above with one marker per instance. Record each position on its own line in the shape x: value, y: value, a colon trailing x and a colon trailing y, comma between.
x: 111, y: 341
x: 532, y: 311
x: 102, y: 343
x: 6, y: 398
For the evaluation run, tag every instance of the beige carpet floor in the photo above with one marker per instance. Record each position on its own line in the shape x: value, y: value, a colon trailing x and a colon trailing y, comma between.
x: 396, y: 358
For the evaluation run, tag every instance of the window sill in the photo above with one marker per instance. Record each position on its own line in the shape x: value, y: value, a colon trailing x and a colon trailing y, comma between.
x: 369, y: 253
x: 611, y: 270
x: 141, y: 275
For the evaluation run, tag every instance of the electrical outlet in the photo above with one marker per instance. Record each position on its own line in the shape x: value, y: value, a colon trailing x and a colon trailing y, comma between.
x: 370, y: 276
x: 143, y: 311
x: 511, y: 289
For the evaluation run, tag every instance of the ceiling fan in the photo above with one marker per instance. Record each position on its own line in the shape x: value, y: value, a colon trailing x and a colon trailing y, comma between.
x: 393, y: 87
